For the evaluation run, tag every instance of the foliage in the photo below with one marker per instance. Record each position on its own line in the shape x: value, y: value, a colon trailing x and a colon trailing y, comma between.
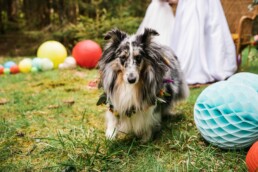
x: 88, y: 28
x: 63, y: 20
x: 31, y: 14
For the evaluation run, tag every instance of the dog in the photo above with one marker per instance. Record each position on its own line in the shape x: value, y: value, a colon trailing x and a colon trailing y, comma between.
x: 141, y: 80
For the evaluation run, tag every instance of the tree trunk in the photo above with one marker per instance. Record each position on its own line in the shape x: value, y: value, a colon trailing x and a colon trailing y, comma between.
x: 61, y: 11
x: 12, y: 10
x: 37, y: 14
x: 67, y: 11
x: 72, y: 11
x: 45, y: 9
x: 1, y: 17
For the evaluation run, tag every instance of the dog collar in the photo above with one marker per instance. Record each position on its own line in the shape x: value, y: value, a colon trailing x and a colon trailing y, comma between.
x: 162, y: 93
x: 167, y: 81
x: 104, y: 100
x: 128, y: 113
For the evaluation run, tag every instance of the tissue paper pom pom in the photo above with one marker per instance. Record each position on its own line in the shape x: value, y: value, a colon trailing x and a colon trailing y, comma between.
x: 69, y: 63
x: 14, y: 69
x: 226, y: 114
x: 9, y: 64
x: 70, y: 60
x: 248, y: 79
x: 62, y: 66
x: 34, y: 70
x: 6, y: 71
x: 25, y: 65
x: 36, y: 62
x: 46, y: 64
x: 252, y: 158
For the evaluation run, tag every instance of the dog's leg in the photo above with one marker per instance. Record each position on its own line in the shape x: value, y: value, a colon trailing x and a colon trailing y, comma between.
x: 112, y: 122
x: 167, y: 110
x: 183, y: 90
x: 146, y: 136
x: 148, y: 124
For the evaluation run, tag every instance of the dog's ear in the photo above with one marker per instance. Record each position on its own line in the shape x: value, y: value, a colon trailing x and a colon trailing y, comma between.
x: 146, y: 37
x: 115, y: 35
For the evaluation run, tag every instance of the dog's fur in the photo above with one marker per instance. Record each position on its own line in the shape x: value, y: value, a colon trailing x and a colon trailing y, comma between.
x: 133, y: 69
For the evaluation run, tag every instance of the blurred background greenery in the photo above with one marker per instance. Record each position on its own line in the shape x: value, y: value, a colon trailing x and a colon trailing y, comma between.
x: 24, y: 24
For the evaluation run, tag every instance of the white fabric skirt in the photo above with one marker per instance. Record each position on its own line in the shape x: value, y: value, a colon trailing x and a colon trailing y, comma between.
x: 202, y: 41
x: 159, y: 16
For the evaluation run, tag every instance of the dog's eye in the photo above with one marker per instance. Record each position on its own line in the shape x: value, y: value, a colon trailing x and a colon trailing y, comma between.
x: 138, y: 59
x: 122, y: 60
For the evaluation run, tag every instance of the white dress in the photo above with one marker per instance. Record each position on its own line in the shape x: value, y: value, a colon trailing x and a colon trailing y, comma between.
x: 159, y: 16
x: 202, y: 41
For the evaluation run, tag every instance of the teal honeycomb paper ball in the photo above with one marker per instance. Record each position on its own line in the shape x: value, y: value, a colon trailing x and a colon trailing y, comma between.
x: 246, y: 78
x: 226, y: 114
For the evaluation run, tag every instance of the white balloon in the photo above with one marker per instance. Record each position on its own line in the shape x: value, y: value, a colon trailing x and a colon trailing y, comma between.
x: 62, y: 66
x: 36, y: 62
x: 46, y: 64
x: 70, y: 60
x: 69, y: 63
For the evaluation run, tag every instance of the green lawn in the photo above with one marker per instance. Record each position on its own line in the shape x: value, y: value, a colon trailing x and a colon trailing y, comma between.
x: 49, y: 122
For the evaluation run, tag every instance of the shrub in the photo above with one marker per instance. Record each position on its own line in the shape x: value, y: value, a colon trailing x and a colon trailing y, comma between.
x: 94, y: 29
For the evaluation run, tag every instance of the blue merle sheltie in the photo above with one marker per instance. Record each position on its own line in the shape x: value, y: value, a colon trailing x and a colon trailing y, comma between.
x: 142, y: 80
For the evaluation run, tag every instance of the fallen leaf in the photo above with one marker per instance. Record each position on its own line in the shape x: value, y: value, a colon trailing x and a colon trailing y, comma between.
x: 53, y: 106
x: 69, y: 102
x: 3, y: 101
x: 93, y: 84
x: 20, y: 134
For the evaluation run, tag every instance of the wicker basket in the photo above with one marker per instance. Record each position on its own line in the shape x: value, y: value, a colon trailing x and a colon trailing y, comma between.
x: 234, y: 10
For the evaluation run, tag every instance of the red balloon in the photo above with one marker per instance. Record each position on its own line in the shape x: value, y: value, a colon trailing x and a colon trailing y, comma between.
x: 14, y: 69
x: 1, y: 70
x: 252, y: 158
x: 87, y: 53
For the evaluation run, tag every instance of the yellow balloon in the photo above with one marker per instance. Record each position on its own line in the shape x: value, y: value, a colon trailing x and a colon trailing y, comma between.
x: 25, y: 65
x: 53, y: 50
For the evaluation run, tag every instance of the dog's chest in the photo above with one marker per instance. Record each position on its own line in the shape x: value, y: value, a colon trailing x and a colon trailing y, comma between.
x: 125, y: 98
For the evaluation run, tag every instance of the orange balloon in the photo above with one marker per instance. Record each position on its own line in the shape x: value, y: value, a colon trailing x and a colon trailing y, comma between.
x: 252, y: 158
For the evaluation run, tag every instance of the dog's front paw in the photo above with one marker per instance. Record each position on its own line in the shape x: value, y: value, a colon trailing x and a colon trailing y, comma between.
x: 111, y: 133
x: 112, y: 121
x: 146, y: 137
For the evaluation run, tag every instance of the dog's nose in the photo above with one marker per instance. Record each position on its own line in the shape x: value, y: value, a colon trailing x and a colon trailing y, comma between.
x: 131, y: 78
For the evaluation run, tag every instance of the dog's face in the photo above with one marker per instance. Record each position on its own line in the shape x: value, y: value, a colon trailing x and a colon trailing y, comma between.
x: 130, y: 55
x: 133, y: 60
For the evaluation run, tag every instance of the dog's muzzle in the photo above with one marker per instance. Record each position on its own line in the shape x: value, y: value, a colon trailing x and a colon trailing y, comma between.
x: 131, y: 78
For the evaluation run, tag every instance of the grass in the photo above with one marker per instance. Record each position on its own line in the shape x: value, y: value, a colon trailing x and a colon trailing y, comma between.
x: 49, y: 122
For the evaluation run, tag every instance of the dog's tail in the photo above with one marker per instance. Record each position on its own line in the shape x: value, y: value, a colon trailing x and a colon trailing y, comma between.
x: 180, y: 87
x: 184, y: 91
